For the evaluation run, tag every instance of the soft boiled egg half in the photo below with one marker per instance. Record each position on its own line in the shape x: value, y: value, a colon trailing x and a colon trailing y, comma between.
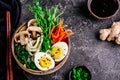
x: 43, y: 61
x: 59, y: 51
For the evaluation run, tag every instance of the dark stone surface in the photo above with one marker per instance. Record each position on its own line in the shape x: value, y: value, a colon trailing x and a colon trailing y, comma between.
x: 102, y: 58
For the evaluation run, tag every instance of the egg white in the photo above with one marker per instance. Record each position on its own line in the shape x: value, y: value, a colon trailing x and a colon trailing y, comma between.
x: 64, y: 48
x: 38, y: 55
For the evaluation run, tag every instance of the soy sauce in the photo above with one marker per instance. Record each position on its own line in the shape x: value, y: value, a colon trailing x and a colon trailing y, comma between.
x: 104, y: 8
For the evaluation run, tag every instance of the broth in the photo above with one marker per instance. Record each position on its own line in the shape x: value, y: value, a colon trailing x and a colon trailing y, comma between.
x: 104, y: 8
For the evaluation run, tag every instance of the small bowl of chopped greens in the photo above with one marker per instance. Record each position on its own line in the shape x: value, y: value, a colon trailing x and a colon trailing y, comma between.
x: 80, y: 72
x: 41, y: 45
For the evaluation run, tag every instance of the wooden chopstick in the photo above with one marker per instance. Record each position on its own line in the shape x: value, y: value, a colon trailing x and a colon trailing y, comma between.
x: 9, y: 72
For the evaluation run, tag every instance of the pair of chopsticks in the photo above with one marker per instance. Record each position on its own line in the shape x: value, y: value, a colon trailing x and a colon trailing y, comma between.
x: 9, y: 73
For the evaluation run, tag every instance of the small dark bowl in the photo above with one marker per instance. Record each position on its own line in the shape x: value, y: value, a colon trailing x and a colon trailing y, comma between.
x: 82, y: 66
x: 105, y: 5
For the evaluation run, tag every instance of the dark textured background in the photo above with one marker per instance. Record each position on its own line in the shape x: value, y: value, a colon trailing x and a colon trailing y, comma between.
x: 102, y: 58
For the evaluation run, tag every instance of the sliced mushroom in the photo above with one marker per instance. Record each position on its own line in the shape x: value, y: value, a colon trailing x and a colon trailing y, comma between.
x: 34, y: 31
x: 32, y: 22
x: 22, y: 37
x: 33, y: 46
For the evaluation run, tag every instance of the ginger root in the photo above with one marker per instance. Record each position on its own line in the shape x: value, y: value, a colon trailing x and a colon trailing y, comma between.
x: 104, y: 33
x: 112, y: 33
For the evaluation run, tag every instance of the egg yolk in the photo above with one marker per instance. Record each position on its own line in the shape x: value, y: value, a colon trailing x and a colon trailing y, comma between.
x: 45, y: 62
x: 56, y: 52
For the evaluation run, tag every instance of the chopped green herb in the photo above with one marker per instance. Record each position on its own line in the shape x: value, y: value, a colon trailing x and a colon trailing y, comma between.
x: 23, y: 55
x: 80, y: 74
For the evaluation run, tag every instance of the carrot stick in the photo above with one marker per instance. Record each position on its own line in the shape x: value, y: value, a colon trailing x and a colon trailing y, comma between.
x: 59, y: 33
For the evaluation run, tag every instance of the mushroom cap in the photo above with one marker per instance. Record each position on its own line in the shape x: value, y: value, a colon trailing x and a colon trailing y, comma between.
x: 35, y: 31
x: 21, y: 37
x: 32, y: 22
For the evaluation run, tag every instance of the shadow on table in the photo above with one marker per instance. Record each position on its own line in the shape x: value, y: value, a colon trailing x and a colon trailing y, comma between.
x: 82, y: 9
x: 18, y: 72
